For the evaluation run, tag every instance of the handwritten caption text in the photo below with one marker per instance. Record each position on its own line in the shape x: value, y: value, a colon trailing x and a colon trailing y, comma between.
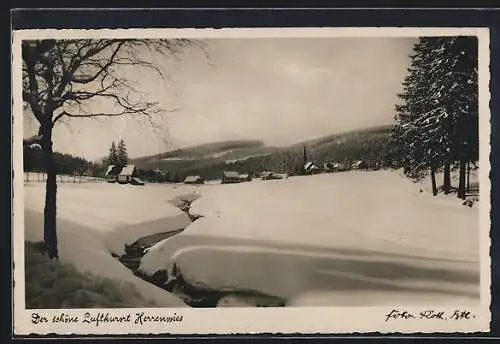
x: 99, y: 318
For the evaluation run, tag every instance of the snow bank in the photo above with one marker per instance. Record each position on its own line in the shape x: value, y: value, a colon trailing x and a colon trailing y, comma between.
x: 120, y: 213
x: 83, y: 247
x: 328, y: 235
x: 95, y: 220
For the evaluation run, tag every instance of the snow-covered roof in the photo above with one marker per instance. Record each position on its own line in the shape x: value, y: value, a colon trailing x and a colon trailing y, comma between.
x: 110, y: 167
x: 231, y: 174
x: 127, y: 170
x: 113, y: 170
x: 310, y: 166
x: 192, y: 179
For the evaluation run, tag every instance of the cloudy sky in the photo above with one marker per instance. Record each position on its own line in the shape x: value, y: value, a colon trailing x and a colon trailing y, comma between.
x: 278, y: 90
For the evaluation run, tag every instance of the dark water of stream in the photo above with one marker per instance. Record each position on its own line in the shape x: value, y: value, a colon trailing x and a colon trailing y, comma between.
x: 194, y: 296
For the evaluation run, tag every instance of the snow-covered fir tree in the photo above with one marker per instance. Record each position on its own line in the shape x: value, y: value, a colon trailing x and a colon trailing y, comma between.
x: 122, y: 155
x: 437, y: 116
x: 112, y: 158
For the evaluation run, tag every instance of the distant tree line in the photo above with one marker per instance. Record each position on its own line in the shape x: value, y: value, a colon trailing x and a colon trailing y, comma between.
x: 437, y: 116
x: 65, y: 163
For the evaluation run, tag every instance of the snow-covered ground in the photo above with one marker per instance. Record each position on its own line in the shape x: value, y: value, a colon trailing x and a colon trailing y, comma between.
x: 354, y: 238
x: 120, y: 213
x: 348, y: 238
x: 97, y: 219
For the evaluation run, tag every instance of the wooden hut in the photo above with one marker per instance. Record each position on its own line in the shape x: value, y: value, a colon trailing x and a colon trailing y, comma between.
x: 269, y: 176
x: 245, y: 177
x: 126, y: 174
x: 193, y: 180
x: 360, y: 165
x: 328, y: 167
x: 229, y: 177
x: 311, y: 168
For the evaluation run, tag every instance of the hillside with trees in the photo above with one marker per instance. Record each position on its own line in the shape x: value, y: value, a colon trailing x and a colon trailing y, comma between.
x: 228, y: 149
x: 370, y: 144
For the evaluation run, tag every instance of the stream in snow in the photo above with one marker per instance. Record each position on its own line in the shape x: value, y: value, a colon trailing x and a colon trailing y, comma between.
x: 194, y: 296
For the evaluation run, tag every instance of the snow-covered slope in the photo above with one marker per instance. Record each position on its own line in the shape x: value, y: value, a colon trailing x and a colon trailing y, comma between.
x: 311, y: 240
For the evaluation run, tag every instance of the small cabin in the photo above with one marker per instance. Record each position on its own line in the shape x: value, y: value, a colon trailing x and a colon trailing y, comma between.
x: 269, y: 176
x: 229, y: 177
x: 193, y: 180
x: 328, y: 167
x: 127, y: 174
x: 360, y: 165
x: 311, y: 168
x: 338, y: 167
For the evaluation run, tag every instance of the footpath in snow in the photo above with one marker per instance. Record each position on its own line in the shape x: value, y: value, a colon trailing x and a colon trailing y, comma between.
x: 356, y: 238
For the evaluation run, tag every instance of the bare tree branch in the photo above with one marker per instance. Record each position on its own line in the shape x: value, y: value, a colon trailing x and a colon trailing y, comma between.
x: 73, y: 78
x: 107, y: 64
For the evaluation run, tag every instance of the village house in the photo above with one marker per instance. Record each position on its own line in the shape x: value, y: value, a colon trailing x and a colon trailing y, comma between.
x: 269, y: 176
x: 338, y: 167
x: 193, y: 180
x: 328, y: 167
x: 311, y: 168
x: 229, y: 177
x: 360, y: 165
x: 127, y: 173
x: 245, y: 177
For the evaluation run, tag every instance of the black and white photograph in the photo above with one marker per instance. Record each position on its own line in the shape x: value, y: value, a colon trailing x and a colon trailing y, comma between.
x: 160, y: 175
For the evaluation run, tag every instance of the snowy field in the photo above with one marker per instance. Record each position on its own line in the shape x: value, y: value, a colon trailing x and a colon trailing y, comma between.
x: 354, y: 238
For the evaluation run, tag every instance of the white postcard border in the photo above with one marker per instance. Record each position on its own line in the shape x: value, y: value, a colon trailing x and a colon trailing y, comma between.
x: 305, y: 320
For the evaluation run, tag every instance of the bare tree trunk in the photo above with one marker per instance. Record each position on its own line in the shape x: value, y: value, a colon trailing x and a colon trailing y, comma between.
x: 49, y: 224
x: 447, y: 178
x: 433, y: 181
x: 468, y: 177
x: 461, y: 180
